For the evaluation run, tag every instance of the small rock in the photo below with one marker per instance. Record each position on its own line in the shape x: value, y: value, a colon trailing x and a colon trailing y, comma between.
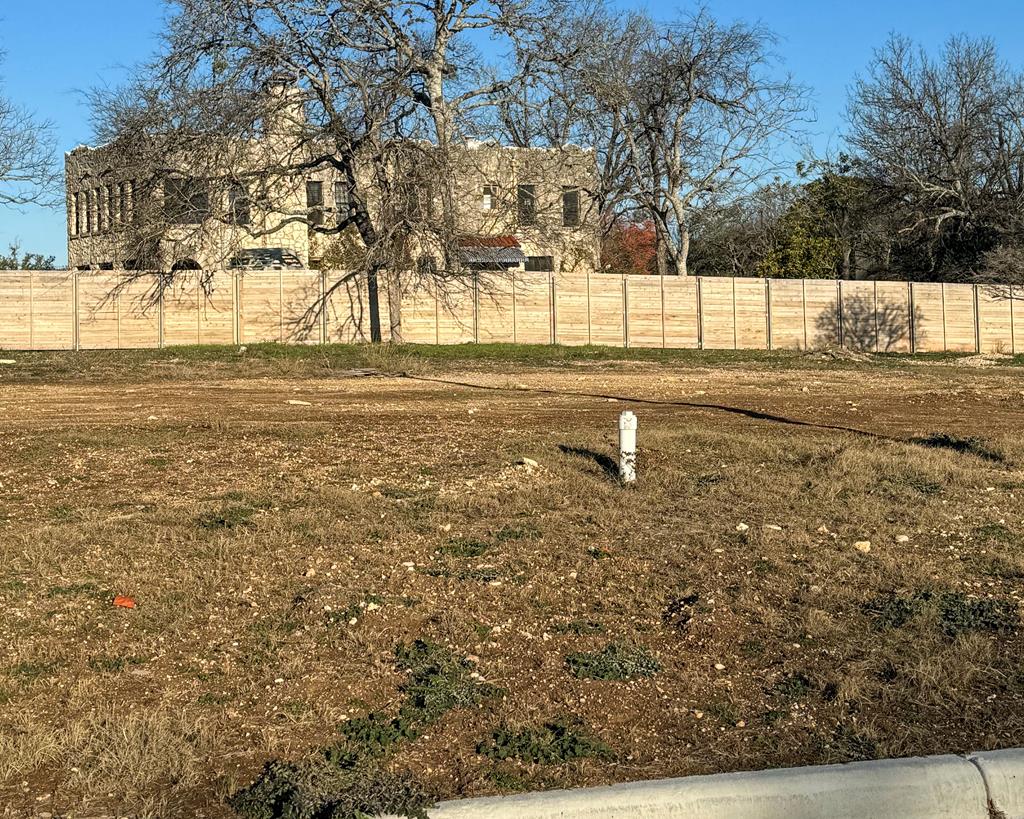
x: 773, y: 526
x: 7, y: 361
x: 862, y: 546
x: 529, y: 463
x: 815, y: 589
x: 741, y: 724
x: 310, y: 572
x: 742, y: 527
x: 352, y: 621
x: 152, y: 418
x: 719, y: 667
x: 903, y: 538
x: 296, y: 403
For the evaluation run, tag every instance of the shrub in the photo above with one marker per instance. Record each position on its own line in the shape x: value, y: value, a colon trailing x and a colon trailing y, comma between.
x: 616, y: 661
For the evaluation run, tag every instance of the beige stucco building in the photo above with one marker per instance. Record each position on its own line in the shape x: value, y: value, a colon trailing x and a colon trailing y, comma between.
x: 515, y: 208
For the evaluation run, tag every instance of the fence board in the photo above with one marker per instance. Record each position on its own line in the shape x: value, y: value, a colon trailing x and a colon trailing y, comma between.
x: 16, y: 311
x: 892, y: 317
x: 138, y: 313
x: 457, y: 314
x: 495, y: 320
x: 572, y: 310
x: 961, y: 329
x: 533, y: 308
x: 644, y: 315
x: 53, y: 310
x: 419, y: 314
x: 995, y: 320
x: 821, y: 317
x: 97, y: 312
x: 719, y: 313
x: 682, y: 323
x: 751, y: 314
x: 259, y: 306
x: 787, y: 314
x: 929, y: 321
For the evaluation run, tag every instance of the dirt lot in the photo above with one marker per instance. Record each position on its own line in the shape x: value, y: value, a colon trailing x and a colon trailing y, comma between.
x: 288, y: 531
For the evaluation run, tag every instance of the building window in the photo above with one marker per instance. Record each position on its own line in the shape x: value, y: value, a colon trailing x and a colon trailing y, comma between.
x: 315, y: 202
x: 101, y: 210
x: 540, y: 264
x: 527, y: 204
x: 489, y: 198
x: 88, y: 212
x: 571, y: 207
x: 314, y: 195
x: 127, y: 200
x: 73, y: 214
x: 186, y: 201
x: 341, y: 203
x: 239, y: 209
x: 108, y: 198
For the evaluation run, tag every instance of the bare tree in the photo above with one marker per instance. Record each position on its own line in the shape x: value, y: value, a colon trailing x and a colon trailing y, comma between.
x: 700, y: 107
x: 28, y: 170
x: 254, y: 94
x: 944, y: 138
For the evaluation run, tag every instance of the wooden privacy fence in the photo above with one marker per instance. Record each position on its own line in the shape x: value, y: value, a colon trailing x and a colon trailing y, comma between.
x: 108, y: 310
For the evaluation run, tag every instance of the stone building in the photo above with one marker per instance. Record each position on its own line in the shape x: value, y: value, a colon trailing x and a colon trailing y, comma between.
x: 519, y: 209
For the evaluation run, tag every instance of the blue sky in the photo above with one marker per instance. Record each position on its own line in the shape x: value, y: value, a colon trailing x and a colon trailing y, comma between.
x: 56, y: 48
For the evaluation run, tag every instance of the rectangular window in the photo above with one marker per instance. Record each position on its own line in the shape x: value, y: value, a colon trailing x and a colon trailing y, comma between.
x: 88, y: 212
x: 527, y: 204
x: 186, y: 201
x: 73, y: 214
x: 128, y: 195
x: 314, y: 194
x: 489, y: 198
x: 101, y: 210
x: 108, y: 198
x: 540, y: 264
x: 341, y: 203
x: 571, y: 207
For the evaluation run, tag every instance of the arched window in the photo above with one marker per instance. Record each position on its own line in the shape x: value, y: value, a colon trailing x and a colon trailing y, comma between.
x: 186, y: 264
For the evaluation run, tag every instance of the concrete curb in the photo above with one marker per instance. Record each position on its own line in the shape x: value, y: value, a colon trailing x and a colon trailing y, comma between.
x: 938, y: 787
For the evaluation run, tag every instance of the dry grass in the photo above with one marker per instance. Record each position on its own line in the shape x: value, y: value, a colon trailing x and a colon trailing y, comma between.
x: 279, y: 552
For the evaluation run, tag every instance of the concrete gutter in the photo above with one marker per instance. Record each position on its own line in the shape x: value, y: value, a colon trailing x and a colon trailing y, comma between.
x: 979, y: 786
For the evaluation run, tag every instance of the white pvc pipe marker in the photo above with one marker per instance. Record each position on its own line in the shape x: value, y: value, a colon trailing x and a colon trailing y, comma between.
x: 627, y: 447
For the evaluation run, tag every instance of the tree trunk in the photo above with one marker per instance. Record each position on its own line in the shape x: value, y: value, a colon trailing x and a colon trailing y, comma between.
x: 684, y: 253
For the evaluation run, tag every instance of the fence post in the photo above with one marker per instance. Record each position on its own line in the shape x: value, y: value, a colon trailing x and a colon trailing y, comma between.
x: 662, y: 278
x: 323, y: 307
x: 977, y: 321
x: 625, y: 311
x: 1013, y: 328
x: 514, y: 333
x: 839, y: 311
x: 700, y: 313
x: 913, y: 317
x: 160, y: 315
x: 590, y: 329
x: 552, y: 296
x: 803, y: 307
x: 768, y: 311
x: 476, y: 307
x: 76, y: 333
x: 735, y: 329
x: 236, y: 295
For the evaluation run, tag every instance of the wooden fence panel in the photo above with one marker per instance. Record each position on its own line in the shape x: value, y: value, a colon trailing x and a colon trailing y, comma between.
x: 572, y: 310
x: 16, y: 311
x: 1016, y: 293
x: 718, y: 311
x: 181, y: 311
x: 751, y: 314
x: 259, y: 306
x: 138, y: 313
x: 892, y: 317
x: 533, y: 308
x: 644, y: 319
x: 929, y: 321
x: 53, y: 310
x: 217, y: 311
x: 495, y: 319
x: 682, y: 320
x: 97, y: 312
x: 419, y: 314
x: 859, y: 319
x: 301, y: 320
x: 787, y: 314
x: 607, y: 311
x: 821, y: 316
x: 995, y: 320
x: 347, y: 309
x: 961, y: 328
x: 457, y: 313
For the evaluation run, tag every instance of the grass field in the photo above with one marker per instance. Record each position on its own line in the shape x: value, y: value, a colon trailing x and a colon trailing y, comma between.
x: 342, y: 567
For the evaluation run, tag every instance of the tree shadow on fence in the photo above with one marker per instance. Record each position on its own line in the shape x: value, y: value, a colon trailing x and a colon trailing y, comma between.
x: 867, y: 324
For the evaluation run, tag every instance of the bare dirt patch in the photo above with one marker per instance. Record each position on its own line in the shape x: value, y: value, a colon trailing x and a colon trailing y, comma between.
x: 285, y: 533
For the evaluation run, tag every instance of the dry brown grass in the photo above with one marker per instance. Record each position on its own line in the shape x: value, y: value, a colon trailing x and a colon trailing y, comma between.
x: 252, y: 532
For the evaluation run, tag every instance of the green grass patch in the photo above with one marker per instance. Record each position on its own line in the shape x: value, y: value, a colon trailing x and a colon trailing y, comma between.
x: 553, y: 743
x: 616, y: 661
x: 465, y: 547
x: 955, y: 612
